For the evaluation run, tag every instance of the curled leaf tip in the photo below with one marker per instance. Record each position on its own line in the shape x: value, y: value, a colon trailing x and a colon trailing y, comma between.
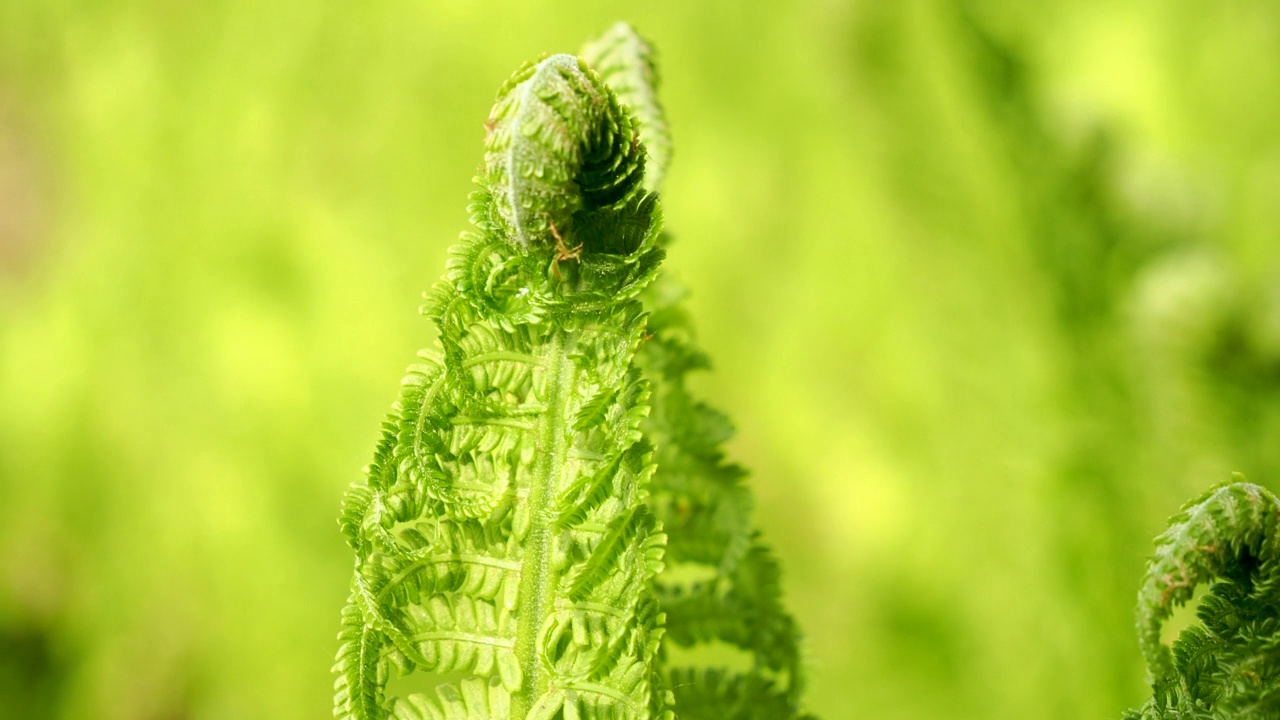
x: 560, y: 150
x: 1230, y: 537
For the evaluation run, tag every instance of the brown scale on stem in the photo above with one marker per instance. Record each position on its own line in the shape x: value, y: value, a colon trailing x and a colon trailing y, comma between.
x: 563, y: 251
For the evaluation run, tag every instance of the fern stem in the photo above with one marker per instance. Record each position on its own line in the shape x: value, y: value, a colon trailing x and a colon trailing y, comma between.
x: 537, y: 584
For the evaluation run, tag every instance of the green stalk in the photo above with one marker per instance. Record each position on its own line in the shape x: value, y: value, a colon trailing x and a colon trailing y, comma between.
x: 537, y: 586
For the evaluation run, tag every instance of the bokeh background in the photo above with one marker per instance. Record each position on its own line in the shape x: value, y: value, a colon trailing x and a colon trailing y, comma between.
x: 991, y: 288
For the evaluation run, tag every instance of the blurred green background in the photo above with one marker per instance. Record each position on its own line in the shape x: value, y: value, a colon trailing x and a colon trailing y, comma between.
x: 991, y: 288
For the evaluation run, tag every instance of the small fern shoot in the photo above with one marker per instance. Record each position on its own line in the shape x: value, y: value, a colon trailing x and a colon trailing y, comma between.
x: 1227, y: 665
x: 502, y: 534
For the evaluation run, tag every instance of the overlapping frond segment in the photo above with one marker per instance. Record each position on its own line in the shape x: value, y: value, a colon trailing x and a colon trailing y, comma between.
x: 626, y: 62
x: 698, y: 495
x: 706, y: 510
x: 501, y: 532
x: 1228, y: 665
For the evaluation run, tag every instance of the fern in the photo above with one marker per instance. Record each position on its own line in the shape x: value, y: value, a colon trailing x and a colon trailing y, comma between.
x: 505, y: 530
x: 1228, y: 666
x: 699, y: 496
x: 502, y: 532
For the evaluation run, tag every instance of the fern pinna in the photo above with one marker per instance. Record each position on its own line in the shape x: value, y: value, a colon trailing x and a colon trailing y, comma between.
x: 1227, y: 665
x: 502, y: 533
x: 734, y: 598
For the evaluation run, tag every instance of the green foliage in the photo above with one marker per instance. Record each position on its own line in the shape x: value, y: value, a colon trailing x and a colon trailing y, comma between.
x: 502, y: 530
x: 1228, y: 666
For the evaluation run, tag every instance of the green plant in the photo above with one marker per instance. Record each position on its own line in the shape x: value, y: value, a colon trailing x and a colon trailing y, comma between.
x: 1228, y: 665
x: 507, y: 532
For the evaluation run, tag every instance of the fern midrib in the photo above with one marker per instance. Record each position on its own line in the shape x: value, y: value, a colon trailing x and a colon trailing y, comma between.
x: 536, y: 596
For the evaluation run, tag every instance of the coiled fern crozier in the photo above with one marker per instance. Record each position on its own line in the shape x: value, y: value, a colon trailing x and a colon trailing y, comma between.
x: 1227, y: 665
x: 509, y: 531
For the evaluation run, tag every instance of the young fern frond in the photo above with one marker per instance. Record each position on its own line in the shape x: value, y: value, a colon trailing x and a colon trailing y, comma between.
x: 502, y: 532
x: 505, y: 529
x: 1228, y: 666
x: 697, y: 495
